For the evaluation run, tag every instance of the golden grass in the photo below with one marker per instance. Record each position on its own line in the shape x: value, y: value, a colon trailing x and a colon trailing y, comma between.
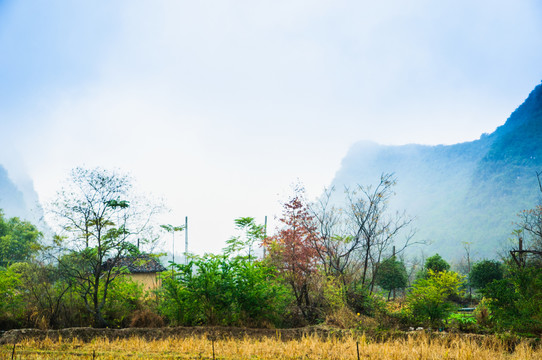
x: 415, y: 347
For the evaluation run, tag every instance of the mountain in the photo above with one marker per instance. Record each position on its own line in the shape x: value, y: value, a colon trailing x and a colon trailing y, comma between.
x: 467, y: 192
x: 19, y: 199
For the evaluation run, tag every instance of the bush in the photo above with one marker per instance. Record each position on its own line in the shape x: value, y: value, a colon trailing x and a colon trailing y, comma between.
x: 219, y: 290
x: 125, y: 297
x: 428, y: 303
x: 360, y: 300
x: 516, y: 302
x: 463, y: 322
x: 146, y: 319
x: 482, y: 314
x: 11, y: 304
x: 343, y: 318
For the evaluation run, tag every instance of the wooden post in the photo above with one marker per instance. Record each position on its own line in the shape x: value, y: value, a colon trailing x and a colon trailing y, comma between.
x: 521, y: 260
x: 213, y: 343
x: 357, y: 348
x: 393, y: 260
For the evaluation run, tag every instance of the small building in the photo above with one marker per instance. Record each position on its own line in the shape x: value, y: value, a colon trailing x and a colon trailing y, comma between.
x: 143, y: 269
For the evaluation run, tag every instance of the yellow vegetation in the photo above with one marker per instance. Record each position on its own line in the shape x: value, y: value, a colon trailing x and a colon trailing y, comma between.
x: 416, y: 346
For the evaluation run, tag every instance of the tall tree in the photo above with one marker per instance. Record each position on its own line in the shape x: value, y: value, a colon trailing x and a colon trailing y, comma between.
x: 101, y: 219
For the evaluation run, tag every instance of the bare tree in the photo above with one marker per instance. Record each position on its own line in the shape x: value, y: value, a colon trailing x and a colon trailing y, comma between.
x: 357, y: 236
x: 373, y: 229
x: 329, y: 237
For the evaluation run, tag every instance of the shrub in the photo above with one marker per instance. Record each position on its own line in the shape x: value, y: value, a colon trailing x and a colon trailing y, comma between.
x: 146, y: 319
x: 219, y: 290
x: 463, y: 322
x: 428, y: 302
x: 516, y: 302
x: 125, y: 297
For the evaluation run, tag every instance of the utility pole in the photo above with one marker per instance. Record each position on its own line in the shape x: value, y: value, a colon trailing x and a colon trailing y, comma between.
x: 186, y: 240
x: 170, y: 228
x: 264, y: 233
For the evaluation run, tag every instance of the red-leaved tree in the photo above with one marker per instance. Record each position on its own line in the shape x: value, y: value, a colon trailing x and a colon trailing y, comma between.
x: 291, y: 250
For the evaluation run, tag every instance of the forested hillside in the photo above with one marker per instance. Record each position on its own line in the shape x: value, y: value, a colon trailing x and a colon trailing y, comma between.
x: 468, y: 192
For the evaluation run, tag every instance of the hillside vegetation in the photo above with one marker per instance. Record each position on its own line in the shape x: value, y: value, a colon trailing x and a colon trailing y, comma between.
x: 468, y: 192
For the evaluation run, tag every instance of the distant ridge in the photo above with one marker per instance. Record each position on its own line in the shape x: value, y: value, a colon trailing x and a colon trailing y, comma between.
x: 467, y: 192
x: 19, y: 200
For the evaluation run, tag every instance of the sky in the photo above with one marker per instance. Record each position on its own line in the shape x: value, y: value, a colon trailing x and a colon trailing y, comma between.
x: 219, y: 106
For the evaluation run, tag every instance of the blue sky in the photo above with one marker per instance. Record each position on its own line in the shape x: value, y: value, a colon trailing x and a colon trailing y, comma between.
x: 218, y: 106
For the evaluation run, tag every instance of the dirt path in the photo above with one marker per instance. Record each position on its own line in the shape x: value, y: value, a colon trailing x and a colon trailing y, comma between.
x: 87, y: 334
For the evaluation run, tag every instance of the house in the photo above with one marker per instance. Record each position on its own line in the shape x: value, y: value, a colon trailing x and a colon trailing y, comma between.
x: 143, y: 269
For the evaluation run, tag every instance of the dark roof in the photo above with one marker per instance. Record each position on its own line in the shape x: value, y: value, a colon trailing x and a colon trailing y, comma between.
x: 138, y: 264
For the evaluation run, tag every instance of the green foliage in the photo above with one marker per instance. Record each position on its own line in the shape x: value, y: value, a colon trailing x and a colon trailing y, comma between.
x: 484, y: 272
x: 392, y: 275
x: 436, y: 263
x: 463, y: 322
x: 428, y: 302
x: 516, y: 302
x: 219, y: 290
x: 11, y: 304
x: 19, y: 240
x: 43, y: 291
x: 333, y: 292
x: 125, y: 297
x: 361, y: 301
x: 243, y: 245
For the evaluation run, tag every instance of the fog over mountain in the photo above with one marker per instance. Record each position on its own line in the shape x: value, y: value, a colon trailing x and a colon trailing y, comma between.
x: 467, y: 192
x: 19, y: 199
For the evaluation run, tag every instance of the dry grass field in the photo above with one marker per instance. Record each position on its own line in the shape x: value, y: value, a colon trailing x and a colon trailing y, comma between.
x: 415, y: 346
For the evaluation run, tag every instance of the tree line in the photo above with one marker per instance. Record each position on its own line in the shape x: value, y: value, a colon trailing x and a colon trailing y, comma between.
x: 339, y: 260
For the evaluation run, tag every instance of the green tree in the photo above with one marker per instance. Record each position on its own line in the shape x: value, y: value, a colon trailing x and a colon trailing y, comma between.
x: 485, y: 271
x: 101, y: 219
x: 428, y: 302
x: 436, y: 263
x: 19, y: 240
x: 243, y: 245
x: 392, y: 275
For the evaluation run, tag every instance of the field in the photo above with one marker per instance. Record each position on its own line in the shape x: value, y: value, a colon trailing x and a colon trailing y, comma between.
x: 419, y: 346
